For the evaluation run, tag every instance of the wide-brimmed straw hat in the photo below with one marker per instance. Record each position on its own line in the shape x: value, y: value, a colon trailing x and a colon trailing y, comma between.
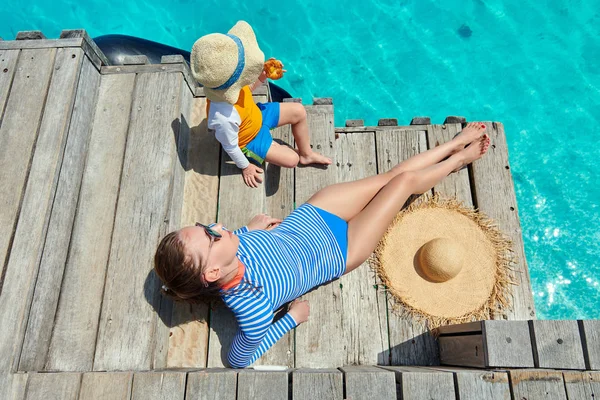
x: 224, y: 64
x: 445, y: 263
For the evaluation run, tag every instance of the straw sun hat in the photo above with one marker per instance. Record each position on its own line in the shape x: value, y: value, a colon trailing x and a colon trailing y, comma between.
x: 224, y: 64
x: 444, y: 263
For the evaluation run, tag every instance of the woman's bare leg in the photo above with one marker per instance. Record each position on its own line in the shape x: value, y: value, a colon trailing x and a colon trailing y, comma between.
x: 368, y: 226
x: 347, y: 199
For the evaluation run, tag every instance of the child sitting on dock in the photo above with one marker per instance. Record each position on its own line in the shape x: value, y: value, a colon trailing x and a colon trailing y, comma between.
x: 231, y: 67
x: 260, y: 267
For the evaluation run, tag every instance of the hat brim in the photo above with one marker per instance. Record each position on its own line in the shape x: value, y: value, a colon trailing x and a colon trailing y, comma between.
x: 481, y: 286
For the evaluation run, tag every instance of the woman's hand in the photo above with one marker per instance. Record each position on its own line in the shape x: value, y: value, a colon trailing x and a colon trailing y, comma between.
x: 251, y: 175
x: 262, y: 221
x: 299, y: 310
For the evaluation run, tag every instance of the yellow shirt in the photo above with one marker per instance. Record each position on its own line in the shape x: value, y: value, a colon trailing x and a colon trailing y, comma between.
x: 250, y: 116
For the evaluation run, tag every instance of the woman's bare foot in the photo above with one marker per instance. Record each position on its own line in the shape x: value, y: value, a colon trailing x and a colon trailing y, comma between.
x: 470, y: 133
x: 314, y: 158
x: 474, y: 151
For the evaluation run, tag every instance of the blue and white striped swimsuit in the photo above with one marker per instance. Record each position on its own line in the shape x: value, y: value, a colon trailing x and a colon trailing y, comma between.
x: 281, y: 265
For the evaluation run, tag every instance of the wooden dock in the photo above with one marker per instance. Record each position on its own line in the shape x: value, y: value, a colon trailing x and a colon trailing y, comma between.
x: 98, y: 162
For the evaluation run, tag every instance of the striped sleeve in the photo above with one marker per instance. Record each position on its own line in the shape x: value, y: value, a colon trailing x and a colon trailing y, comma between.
x: 241, y: 230
x: 257, y: 332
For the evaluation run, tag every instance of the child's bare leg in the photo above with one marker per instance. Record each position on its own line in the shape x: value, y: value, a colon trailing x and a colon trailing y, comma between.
x: 282, y: 155
x: 368, y: 226
x: 347, y: 199
x: 295, y: 114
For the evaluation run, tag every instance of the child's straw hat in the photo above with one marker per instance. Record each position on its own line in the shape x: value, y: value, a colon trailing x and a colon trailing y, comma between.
x: 224, y: 64
x: 445, y: 263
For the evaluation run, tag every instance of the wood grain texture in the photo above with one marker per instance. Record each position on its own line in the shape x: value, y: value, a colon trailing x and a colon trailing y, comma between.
x: 482, y: 385
x: 410, y: 341
x: 467, y: 351
x: 495, y: 197
x: 423, y: 383
x: 508, y: 344
x: 12, y: 386
x: 158, y: 386
x: 63, y: 386
x: 368, y: 383
x: 212, y: 384
x: 8, y: 62
x: 28, y: 182
x: 56, y: 246
x: 534, y: 385
x: 582, y: 385
x: 557, y: 344
x: 106, y: 385
x: 590, y: 337
x: 262, y: 385
x: 76, y: 323
x: 131, y: 296
x: 40, y: 44
x: 317, y: 384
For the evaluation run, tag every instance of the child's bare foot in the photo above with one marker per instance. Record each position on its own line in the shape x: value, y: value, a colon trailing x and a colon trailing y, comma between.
x: 471, y: 132
x: 474, y: 151
x: 314, y: 158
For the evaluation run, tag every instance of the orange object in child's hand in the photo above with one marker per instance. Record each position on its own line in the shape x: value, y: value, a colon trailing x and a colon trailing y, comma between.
x: 274, y: 69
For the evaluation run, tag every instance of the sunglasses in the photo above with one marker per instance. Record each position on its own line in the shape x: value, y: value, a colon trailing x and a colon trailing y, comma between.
x: 213, y: 236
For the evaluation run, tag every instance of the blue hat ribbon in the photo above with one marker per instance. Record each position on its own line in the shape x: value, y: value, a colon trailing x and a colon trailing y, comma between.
x: 240, y: 65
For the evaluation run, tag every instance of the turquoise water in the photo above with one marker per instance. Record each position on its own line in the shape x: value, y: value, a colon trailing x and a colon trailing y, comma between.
x: 533, y: 65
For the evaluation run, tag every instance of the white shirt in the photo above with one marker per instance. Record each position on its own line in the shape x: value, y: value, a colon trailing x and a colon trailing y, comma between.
x: 225, y: 121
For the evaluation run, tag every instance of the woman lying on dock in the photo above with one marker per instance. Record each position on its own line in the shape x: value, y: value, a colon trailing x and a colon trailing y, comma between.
x: 260, y: 267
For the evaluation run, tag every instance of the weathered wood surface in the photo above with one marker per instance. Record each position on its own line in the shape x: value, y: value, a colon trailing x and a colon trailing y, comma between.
x: 49, y: 386
x: 468, y: 351
x: 495, y: 197
x: 557, y: 344
x: 89, y: 46
x: 8, y: 62
x: 369, y: 383
x: 188, y: 341
x: 212, y: 384
x: 158, y: 386
x: 106, y: 385
x: 457, y: 184
x: 410, y: 342
x: 12, y: 386
x: 27, y: 185
x: 508, y: 344
x: 238, y: 203
x: 466, y: 327
x: 590, y: 337
x: 55, y: 251
x: 423, y: 383
x: 76, y: 323
x: 40, y: 44
x: 262, y: 385
x: 582, y: 385
x: 534, y: 385
x: 131, y: 301
x: 154, y: 68
x: 30, y: 35
x: 317, y: 384
x: 482, y: 385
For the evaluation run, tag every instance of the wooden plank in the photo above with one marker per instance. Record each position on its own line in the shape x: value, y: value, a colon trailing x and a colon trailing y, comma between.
x: 410, y: 341
x: 106, y: 385
x: 40, y: 44
x: 158, y: 386
x: 56, y: 245
x: 8, y: 62
x: 153, y: 68
x: 465, y: 351
x: 238, y: 203
x: 188, y: 340
x: 582, y: 385
x: 460, y: 328
x: 557, y: 344
x: 89, y: 46
x: 508, y: 344
x: 367, y: 383
x: 422, y: 383
x: 457, y: 184
x: 30, y: 35
x: 482, y: 385
x: 317, y: 384
x: 590, y: 338
x: 262, y: 385
x: 49, y: 386
x: 495, y: 197
x: 12, y: 386
x: 40, y: 170
x: 131, y: 296
x: 534, y: 385
x: 212, y: 384
x: 76, y: 323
